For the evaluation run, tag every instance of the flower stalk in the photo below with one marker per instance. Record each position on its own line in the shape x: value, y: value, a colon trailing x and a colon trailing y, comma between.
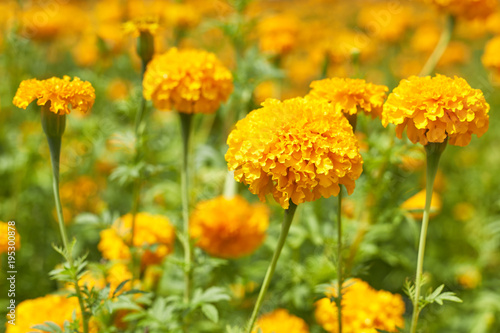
x: 186, y: 122
x: 285, y: 227
x: 339, y: 259
x: 54, y: 125
x: 441, y: 46
x: 433, y: 151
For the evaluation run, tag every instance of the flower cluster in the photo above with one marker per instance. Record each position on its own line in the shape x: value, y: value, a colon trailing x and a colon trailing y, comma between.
x: 298, y: 150
x: 364, y: 309
x: 350, y: 95
x: 468, y: 9
x: 280, y: 321
x: 58, y: 93
x: 189, y: 81
x: 229, y: 228
x: 433, y: 109
x: 153, y: 234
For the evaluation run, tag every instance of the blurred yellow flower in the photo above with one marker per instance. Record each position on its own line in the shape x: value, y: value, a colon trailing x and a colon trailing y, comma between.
x: 490, y: 57
x: 385, y: 21
x: 364, y: 309
x: 350, y: 95
x: 437, y: 108
x: 469, y: 277
x: 280, y: 321
x: 154, y: 236
x: 86, y: 52
x: 298, y: 150
x: 6, y: 237
x: 118, y: 89
x: 341, y: 46
x: 58, y: 93
x: 229, y: 228
x: 464, y: 211
x: 468, y: 9
x: 415, y: 205
x: 188, y: 81
x: 142, y: 24
x: 80, y: 195
x: 54, y: 308
x: 181, y: 15
x: 278, y: 33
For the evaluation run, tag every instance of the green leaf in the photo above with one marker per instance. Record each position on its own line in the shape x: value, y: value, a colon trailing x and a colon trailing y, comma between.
x: 120, y: 287
x: 211, y: 312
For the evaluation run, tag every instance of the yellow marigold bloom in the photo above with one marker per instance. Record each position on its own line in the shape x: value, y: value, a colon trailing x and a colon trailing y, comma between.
x: 59, y: 93
x: 350, y: 95
x: 5, y: 238
x: 150, y: 231
x: 53, y: 308
x: 340, y: 46
x: 80, y: 195
x: 280, y: 321
x: 142, y: 24
x: 469, y: 277
x: 229, y: 228
x: 182, y: 15
x: 384, y: 21
x: 189, y: 81
x: 468, y: 9
x: 118, y: 89
x: 364, y: 309
x: 490, y: 57
x: 433, y: 109
x: 278, y: 34
x: 415, y: 205
x: 298, y: 150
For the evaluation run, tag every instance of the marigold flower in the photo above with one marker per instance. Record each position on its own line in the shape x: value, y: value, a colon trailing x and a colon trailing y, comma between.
x: 385, y: 21
x: 468, y: 9
x: 433, y: 109
x: 80, y: 195
x: 181, y: 15
x: 340, y: 46
x: 469, y: 277
x: 364, y: 309
x: 280, y: 321
x: 59, y: 93
x: 298, y: 150
x: 415, y: 205
x: 350, y: 95
x: 54, y: 308
x: 229, y: 228
x: 5, y: 228
x: 490, y: 57
x: 189, y: 81
x: 153, y: 233
x: 143, y: 24
x: 278, y: 34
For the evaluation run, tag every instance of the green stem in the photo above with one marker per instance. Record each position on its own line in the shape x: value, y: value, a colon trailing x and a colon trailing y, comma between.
x: 55, y: 153
x: 434, y: 151
x: 285, y: 227
x: 339, y: 259
x: 441, y: 46
x: 186, y: 121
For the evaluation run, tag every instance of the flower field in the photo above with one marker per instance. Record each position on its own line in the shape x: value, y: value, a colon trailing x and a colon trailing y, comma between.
x: 250, y: 166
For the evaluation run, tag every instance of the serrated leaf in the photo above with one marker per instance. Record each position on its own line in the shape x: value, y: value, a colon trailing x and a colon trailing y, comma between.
x: 120, y: 287
x: 211, y: 312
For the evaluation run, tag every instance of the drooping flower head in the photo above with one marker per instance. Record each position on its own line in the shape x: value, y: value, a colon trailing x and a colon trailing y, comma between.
x: 297, y: 150
x: 189, y: 81
x: 229, y: 228
x: 59, y: 93
x: 468, y: 9
x: 350, y: 95
x: 154, y: 235
x: 364, y: 309
x: 433, y: 109
x: 280, y: 321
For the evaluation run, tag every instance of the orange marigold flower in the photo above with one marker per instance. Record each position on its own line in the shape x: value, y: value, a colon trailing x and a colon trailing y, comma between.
x: 189, y: 81
x: 143, y: 24
x: 229, y: 228
x: 350, y: 95
x: 490, y: 57
x: 54, y: 308
x: 468, y: 9
x: 182, y: 15
x: 278, y: 34
x: 9, y: 235
x: 298, y: 150
x: 433, y: 109
x: 154, y: 236
x: 59, y: 93
x: 364, y: 309
x: 280, y: 321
